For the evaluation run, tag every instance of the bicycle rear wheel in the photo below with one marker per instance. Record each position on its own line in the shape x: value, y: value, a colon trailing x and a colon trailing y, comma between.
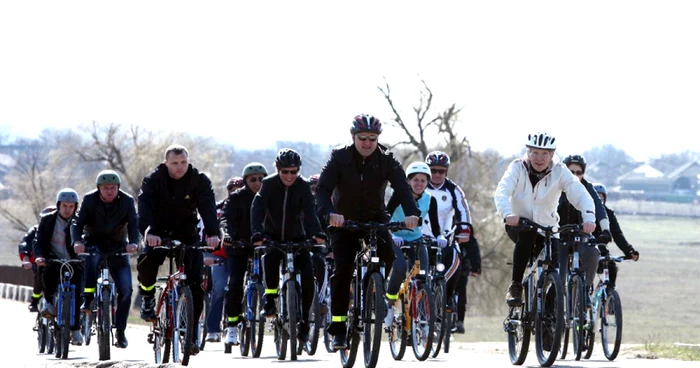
x: 578, y: 312
x: 257, y: 332
x: 40, y: 329
x: 549, y: 325
x: 281, y: 335
x: 517, y: 326
x: 422, y: 318
x: 315, y: 322
x: 373, y: 320
x: 183, y: 334
x: 441, y: 316
x: 349, y: 354
x: 611, y: 324
x: 162, y: 333
x: 397, y: 334
x: 202, y: 323
x: 104, y: 328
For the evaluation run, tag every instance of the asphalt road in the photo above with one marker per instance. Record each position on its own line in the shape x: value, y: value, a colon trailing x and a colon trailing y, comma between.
x: 18, y: 344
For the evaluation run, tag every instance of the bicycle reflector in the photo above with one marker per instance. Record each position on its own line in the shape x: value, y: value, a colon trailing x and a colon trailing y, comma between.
x: 440, y: 267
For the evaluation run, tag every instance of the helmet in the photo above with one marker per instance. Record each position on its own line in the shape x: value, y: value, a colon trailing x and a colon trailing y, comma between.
x: 288, y: 157
x: 313, y: 179
x: 438, y: 158
x: 418, y: 168
x: 67, y: 195
x: 542, y: 141
x: 46, y: 210
x: 366, y: 123
x: 235, y: 182
x: 575, y: 159
x: 254, y: 168
x: 600, y: 188
x: 108, y: 177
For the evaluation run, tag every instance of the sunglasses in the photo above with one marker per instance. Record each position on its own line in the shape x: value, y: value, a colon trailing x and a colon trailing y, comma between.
x: 255, y: 179
x: 577, y: 172
x: 364, y: 138
x: 287, y: 172
x: 438, y: 171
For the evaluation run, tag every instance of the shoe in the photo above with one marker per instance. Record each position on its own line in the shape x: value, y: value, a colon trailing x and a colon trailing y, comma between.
x: 148, y: 305
x: 269, y: 308
x: 76, y: 338
x: 303, y: 333
x: 87, y: 301
x: 458, y: 328
x: 213, y: 337
x: 48, y: 310
x: 33, y: 305
x: 194, y: 348
x: 121, y: 341
x: 231, y: 335
x: 340, y: 335
x: 389, y: 317
x: 515, y: 294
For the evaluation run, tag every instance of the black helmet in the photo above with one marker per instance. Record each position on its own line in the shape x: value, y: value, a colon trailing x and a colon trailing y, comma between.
x: 366, y: 123
x: 575, y: 159
x: 108, y: 177
x: 438, y: 158
x: 288, y: 157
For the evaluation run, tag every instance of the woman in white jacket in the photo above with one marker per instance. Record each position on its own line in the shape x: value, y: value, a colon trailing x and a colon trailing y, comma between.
x: 531, y: 188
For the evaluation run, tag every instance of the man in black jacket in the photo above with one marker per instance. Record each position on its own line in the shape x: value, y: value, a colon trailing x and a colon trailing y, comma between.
x: 107, y: 222
x: 26, y: 255
x: 53, y: 241
x: 236, y: 221
x: 470, y: 254
x: 169, y: 201
x: 356, y: 177
x: 283, y: 210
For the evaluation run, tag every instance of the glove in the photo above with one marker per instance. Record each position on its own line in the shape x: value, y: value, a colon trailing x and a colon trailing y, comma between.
x: 603, y: 250
x: 228, y: 241
x: 441, y: 241
x: 632, y: 253
x: 256, y: 238
x: 322, y: 236
x: 397, y: 241
x: 605, y: 237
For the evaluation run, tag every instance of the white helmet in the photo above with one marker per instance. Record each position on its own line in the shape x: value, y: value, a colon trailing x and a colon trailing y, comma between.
x: 418, y: 167
x: 542, y: 141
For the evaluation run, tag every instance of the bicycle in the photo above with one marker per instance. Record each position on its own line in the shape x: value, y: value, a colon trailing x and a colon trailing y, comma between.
x: 202, y: 330
x: 103, y: 306
x: 543, y: 307
x: 173, y: 326
x: 45, y: 339
x: 577, y: 307
x: 366, y: 296
x: 251, y: 327
x: 415, y: 296
x: 320, y: 317
x: 607, y: 307
x: 65, y: 308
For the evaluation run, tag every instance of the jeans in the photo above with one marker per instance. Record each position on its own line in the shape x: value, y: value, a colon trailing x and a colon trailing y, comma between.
x: 219, y: 280
x: 121, y: 274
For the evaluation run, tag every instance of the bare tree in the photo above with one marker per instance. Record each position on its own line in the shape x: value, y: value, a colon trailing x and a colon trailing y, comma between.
x: 443, y: 124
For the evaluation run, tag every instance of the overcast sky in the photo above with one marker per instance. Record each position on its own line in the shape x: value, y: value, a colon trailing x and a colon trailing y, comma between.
x: 251, y: 73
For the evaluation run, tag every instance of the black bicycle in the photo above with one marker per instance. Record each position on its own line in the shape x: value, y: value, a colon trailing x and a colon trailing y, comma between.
x: 607, y: 308
x: 367, y: 308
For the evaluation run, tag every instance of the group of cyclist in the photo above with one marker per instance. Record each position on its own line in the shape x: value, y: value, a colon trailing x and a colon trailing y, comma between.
x: 177, y: 202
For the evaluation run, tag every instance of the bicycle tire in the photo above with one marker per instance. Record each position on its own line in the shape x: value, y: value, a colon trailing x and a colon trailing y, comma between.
x: 185, y: 319
x: 65, y: 329
x: 563, y: 351
x: 162, y: 333
x: 50, y: 339
x: 553, y: 321
x: 58, y: 337
x: 519, y: 333
x: 292, y: 317
x: 40, y: 329
x: 612, y: 302
x: 104, y: 330
x: 281, y: 335
x: 257, y: 336
x: 579, y: 315
x: 426, y: 301
x: 349, y: 354
x: 327, y: 338
x: 202, y: 330
x: 86, y: 321
x: 315, y: 321
x: 397, y: 334
x: 373, y: 320
x: 441, y: 316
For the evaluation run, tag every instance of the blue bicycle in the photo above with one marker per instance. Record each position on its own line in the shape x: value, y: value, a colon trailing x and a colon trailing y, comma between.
x: 65, y: 307
x: 252, y: 326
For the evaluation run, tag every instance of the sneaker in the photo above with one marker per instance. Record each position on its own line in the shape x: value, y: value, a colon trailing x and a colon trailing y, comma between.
x: 303, y: 333
x: 33, y: 305
x: 194, y: 348
x: 340, y: 335
x: 231, y: 335
x: 269, y: 308
x: 458, y: 328
x: 120, y: 340
x: 213, y: 337
x: 389, y: 318
x: 148, y: 305
x: 76, y: 338
x: 515, y: 294
x: 87, y: 301
x: 48, y: 310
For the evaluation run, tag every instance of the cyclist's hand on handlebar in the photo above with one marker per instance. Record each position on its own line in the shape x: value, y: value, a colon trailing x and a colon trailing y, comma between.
x: 320, y: 238
x: 512, y: 220
x: 213, y: 241
x: 588, y: 227
x: 411, y: 222
x: 604, y: 238
x: 336, y: 220
x: 41, y: 262
x: 257, y: 239
x: 79, y: 247
x: 208, y: 261
x: 633, y: 255
x: 153, y: 240
x: 132, y: 248
x: 441, y: 241
x: 27, y: 265
x: 397, y: 241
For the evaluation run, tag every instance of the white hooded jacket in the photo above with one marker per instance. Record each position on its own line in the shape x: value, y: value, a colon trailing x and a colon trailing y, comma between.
x: 516, y: 196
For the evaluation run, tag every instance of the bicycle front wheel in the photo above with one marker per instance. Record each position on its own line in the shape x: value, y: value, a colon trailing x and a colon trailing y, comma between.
x: 349, y: 354
x: 104, y: 328
x: 549, y: 325
x: 611, y: 324
x: 578, y: 312
x: 422, y: 318
x: 292, y: 317
x: 441, y: 316
x: 202, y: 323
x: 517, y: 325
x: 315, y: 322
x: 372, y: 331
x: 183, y: 328
x: 65, y: 329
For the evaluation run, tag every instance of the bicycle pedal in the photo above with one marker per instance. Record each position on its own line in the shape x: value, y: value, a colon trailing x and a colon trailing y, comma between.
x: 150, y: 338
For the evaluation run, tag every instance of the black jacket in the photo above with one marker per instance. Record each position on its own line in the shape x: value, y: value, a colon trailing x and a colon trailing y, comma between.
x: 568, y: 214
x: 617, y: 236
x: 471, y: 253
x: 284, y: 213
x: 236, y: 216
x: 170, y: 206
x: 108, y: 226
x: 25, y: 247
x: 42, y: 244
x: 358, y: 184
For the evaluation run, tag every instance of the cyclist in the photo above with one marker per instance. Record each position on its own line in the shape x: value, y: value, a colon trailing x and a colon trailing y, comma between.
x: 283, y: 210
x: 107, y: 221
x: 470, y: 255
x: 617, y: 236
x: 588, y: 256
x: 169, y: 201
x: 53, y: 240
x: 318, y: 258
x: 26, y: 255
x: 356, y: 176
x: 313, y: 180
x: 531, y: 188
x: 452, y: 207
x: 219, y: 274
x: 235, y: 220
x: 418, y: 176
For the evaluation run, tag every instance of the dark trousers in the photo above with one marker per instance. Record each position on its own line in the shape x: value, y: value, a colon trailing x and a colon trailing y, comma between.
x: 398, y: 272
x: 529, y: 243
x: 302, y: 263
x: 37, y: 282
x: 120, y: 270
x: 52, y: 278
x: 237, y: 267
x: 319, y: 261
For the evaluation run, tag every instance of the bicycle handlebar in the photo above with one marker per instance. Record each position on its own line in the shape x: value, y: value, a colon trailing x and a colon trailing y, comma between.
x: 120, y: 252
x: 372, y: 226
x: 172, y: 244
x: 525, y: 223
